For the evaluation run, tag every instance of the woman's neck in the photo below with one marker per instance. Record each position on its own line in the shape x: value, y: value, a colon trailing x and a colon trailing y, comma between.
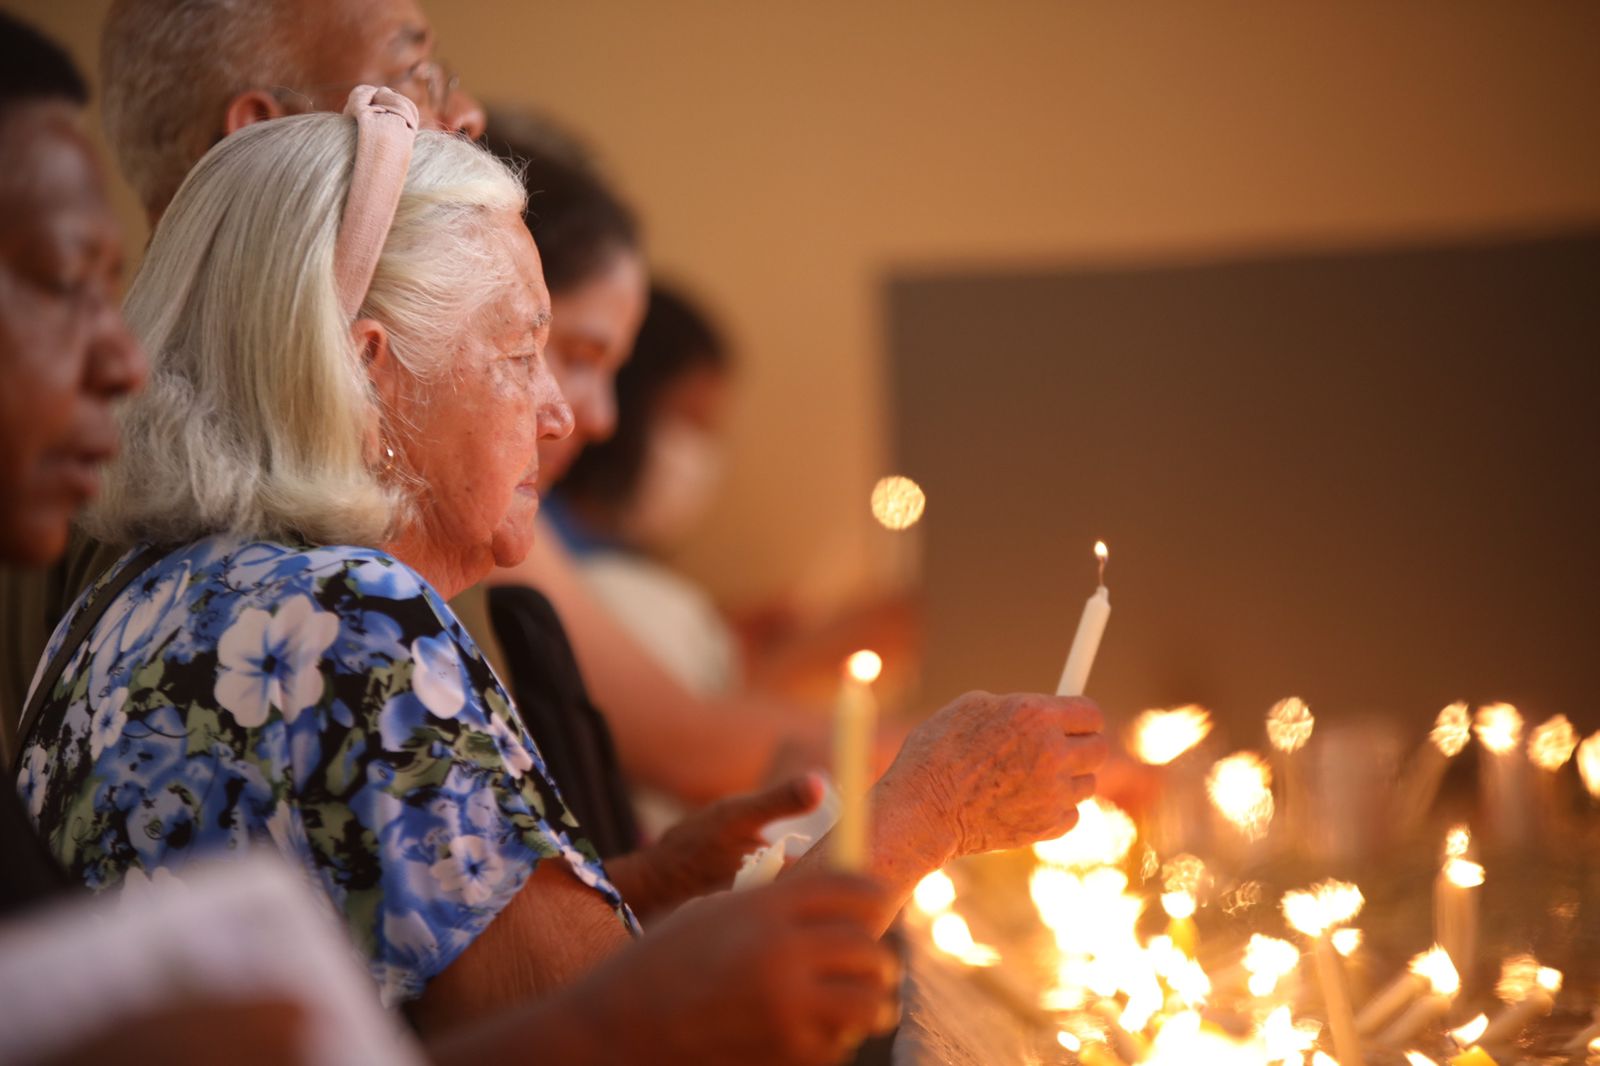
x: 449, y: 570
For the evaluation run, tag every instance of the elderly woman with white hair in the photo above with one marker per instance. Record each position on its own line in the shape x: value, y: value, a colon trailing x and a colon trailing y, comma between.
x: 346, y: 321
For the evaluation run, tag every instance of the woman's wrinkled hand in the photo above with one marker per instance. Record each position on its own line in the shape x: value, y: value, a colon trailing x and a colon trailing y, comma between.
x: 991, y: 772
x: 790, y: 973
x: 702, y: 853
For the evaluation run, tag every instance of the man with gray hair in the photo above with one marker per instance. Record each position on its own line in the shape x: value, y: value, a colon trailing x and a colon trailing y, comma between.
x: 177, y: 76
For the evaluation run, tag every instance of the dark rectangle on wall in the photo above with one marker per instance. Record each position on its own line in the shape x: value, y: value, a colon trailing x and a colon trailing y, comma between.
x: 1369, y: 479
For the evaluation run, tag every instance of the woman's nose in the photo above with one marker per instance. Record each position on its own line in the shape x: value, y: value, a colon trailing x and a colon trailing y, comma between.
x: 463, y: 114
x: 555, y: 419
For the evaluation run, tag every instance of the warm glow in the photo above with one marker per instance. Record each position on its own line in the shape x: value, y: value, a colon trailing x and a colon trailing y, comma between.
x: 951, y: 936
x: 865, y: 666
x: 1347, y: 941
x: 1178, y: 905
x: 1451, y: 730
x: 1158, y: 737
x: 1268, y: 960
x: 898, y: 502
x: 1240, y: 787
x: 1102, y: 837
x: 1468, y: 1034
x: 1289, y: 724
x: 1435, y: 965
x: 934, y: 894
x: 1456, y: 842
x: 1519, y: 975
x: 1101, y: 552
x: 1551, y: 743
x: 1282, y: 1038
x: 1322, y: 907
x: 1464, y: 873
x: 1417, y: 1058
x: 1185, y: 873
x: 1322, y: 1058
x: 1499, y: 727
x: 1549, y: 979
x: 1068, y: 1041
x: 1589, y: 764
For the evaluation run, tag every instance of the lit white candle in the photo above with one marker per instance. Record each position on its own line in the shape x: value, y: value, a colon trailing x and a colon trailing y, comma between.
x: 1091, y: 627
x: 1455, y: 904
x: 1318, y: 913
x: 1442, y: 985
x: 1503, y: 774
x: 1452, y: 728
x: 1530, y: 990
x: 855, y: 724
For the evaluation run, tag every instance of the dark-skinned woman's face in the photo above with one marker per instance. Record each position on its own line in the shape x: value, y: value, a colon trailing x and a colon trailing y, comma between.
x: 65, y: 354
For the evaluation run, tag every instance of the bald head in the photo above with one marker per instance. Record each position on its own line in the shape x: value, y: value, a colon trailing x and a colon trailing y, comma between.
x: 182, y: 74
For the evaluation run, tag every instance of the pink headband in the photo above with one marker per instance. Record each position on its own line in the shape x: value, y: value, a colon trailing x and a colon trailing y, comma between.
x: 386, y: 131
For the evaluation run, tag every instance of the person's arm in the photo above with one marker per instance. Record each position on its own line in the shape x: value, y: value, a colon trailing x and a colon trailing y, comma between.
x: 696, y: 749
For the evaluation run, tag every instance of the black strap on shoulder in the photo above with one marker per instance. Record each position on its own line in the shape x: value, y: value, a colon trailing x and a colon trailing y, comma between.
x: 81, y: 627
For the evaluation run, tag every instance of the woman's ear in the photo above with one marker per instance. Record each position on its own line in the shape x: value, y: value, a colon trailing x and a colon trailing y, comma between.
x: 250, y: 107
x: 371, y: 339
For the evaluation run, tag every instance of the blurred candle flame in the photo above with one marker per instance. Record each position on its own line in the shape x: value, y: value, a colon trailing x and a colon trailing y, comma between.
x: 1435, y: 965
x: 1499, y: 727
x: 1240, y: 787
x: 1068, y: 1041
x: 952, y: 936
x: 1268, y: 960
x: 1289, y: 724
x: 1322, y: 907
x: 1463, y: 873
x: 1178, y: 904
x: 1103, y: 836
x: 1521, y: 974
x: 1552, y: 742
x: 898, y: 502
x: 865, y: 666
x: 1184, y: 873
x: 1158, y: 737
x: 1347, y: 941
x: 1467, y: 1035
x: 1322, y: 1058
x: 1589, y: 764
x: 1452, y: 730
x: 1456, y: 842
x: 1417, y: 1058
x: 934, y: 894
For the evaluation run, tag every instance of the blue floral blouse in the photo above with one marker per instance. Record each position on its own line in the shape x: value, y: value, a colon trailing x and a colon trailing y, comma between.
x: 325, y: 699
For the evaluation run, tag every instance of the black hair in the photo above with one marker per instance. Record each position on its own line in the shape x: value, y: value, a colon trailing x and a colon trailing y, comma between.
x: 577, y: 219
x: 33, y: 67
x: 675, y: 339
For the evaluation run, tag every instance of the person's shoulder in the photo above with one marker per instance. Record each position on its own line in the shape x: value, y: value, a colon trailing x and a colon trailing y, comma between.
x: 271, y: 569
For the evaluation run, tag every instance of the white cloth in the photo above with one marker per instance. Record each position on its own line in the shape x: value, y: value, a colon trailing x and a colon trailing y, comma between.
x: 671, y: 616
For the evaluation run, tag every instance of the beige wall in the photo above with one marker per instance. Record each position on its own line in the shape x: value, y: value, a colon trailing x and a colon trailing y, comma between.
x: 790, y: 156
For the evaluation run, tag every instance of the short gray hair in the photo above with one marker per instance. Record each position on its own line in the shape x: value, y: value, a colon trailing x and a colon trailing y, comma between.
x: 259, y: 413
x: 169, y: 68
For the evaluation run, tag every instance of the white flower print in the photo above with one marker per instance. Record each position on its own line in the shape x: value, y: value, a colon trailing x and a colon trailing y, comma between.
x: 514, y: 754
x: 34, y: 780
x: 143, y: 617
x: 105, y: 727
x: 271, y: 660
x: 436, y: 676
x: 584, y: 867
x: 472, y: 870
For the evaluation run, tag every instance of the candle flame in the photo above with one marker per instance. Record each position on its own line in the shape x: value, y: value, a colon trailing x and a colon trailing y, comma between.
x: 1268, y: 960
x: 1552, y: 742
x: 1435, y: 965
x: 1456, y: 842
x: 1178, y: 905
x: 898, y: 502
x: 1589, y: 764
x: 1068, y: 1041
x: 1417, y: 1058
x: 1463, y: 873
x: 1283, y: 1040
x: 1289, y: 724
x: 1452, y: 730
x: 1322, y: 1058
x: 934, y: 894
x: 1347, y: 941
x: 865, y: 666
x: 1322, y: 907
x: 1103, y: 837
x: 952, y: 936
x: 1101, y: 552
x: 1184, y: 873
x: 1519, y: 975
x: 1158, y: 737
x: 1549, y: 979
x: 1499, y: 727
x: 1468, y: 1034
x: 1240, y: 786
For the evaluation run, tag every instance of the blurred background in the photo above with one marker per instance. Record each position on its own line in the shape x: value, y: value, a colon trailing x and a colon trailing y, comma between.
x: 1294, y: 305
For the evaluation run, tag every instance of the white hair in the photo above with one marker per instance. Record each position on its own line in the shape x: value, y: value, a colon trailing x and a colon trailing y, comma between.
x: 170, y: 67
x: 259, y: 415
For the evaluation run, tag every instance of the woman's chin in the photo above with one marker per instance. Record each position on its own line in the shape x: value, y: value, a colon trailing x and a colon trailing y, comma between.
x: 514, y: 539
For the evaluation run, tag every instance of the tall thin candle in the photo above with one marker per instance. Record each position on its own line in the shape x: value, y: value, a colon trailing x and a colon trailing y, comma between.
x: 855, y: 722
x: 1091, y: 627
